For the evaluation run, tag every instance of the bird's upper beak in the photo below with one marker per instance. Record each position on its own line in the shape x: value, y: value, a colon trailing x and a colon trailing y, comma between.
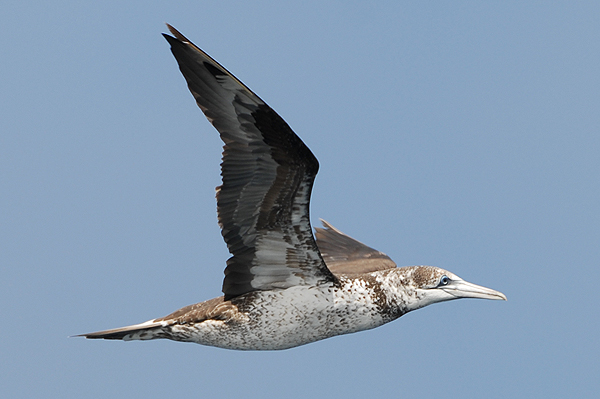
x: 464, y: 289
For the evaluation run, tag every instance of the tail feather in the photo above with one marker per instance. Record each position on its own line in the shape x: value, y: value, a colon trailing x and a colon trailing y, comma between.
x: 149, y: 330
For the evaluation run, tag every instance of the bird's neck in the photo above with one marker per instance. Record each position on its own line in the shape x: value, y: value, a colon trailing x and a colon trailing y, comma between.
x: 399, y: 290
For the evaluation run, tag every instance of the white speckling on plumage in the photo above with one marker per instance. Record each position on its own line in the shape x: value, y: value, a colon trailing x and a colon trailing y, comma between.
x: 282, y: 287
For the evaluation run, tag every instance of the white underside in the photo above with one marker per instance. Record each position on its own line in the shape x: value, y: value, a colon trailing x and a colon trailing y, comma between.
x: 287, y: 318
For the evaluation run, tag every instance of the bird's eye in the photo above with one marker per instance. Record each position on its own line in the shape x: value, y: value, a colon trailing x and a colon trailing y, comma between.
x: 445, y: 280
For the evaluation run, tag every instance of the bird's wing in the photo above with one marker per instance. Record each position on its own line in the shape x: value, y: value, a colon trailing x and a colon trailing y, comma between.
x: 346, y: 256
x: 268, y: 173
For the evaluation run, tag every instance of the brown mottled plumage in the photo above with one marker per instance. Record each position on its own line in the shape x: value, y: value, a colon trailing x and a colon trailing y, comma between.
x: 282, y: 288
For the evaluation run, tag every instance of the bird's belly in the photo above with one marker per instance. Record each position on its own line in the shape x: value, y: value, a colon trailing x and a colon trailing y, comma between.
x: 288, y: 318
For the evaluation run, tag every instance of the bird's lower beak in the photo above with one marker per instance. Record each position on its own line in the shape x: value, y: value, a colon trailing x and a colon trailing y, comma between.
x: 464, y: 289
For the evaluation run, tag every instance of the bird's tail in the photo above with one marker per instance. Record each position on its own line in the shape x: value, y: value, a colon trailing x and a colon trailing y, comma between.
x: 151, y: 329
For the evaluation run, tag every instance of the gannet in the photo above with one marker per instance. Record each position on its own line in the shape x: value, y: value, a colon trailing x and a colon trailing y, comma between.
x: 283, y: 287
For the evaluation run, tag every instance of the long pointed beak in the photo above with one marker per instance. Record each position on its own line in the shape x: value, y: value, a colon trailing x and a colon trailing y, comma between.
x: 464, y: 289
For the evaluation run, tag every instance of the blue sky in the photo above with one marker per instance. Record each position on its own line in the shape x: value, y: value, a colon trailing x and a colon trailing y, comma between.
x: 463, y: 135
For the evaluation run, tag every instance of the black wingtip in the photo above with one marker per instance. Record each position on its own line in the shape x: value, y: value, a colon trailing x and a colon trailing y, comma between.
x: 177, y: 34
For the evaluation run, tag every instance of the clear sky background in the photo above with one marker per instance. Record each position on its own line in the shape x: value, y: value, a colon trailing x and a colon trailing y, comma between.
x: 464, y: 135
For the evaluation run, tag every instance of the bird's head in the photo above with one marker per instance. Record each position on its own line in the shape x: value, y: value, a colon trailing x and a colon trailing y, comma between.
x: 432, y: 285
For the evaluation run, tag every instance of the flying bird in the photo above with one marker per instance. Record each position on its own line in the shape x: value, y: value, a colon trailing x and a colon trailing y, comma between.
x: 283, y: 286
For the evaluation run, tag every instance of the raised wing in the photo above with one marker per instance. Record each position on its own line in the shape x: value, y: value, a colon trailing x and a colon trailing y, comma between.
x: 346, y: 256
x: 268, y: 173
